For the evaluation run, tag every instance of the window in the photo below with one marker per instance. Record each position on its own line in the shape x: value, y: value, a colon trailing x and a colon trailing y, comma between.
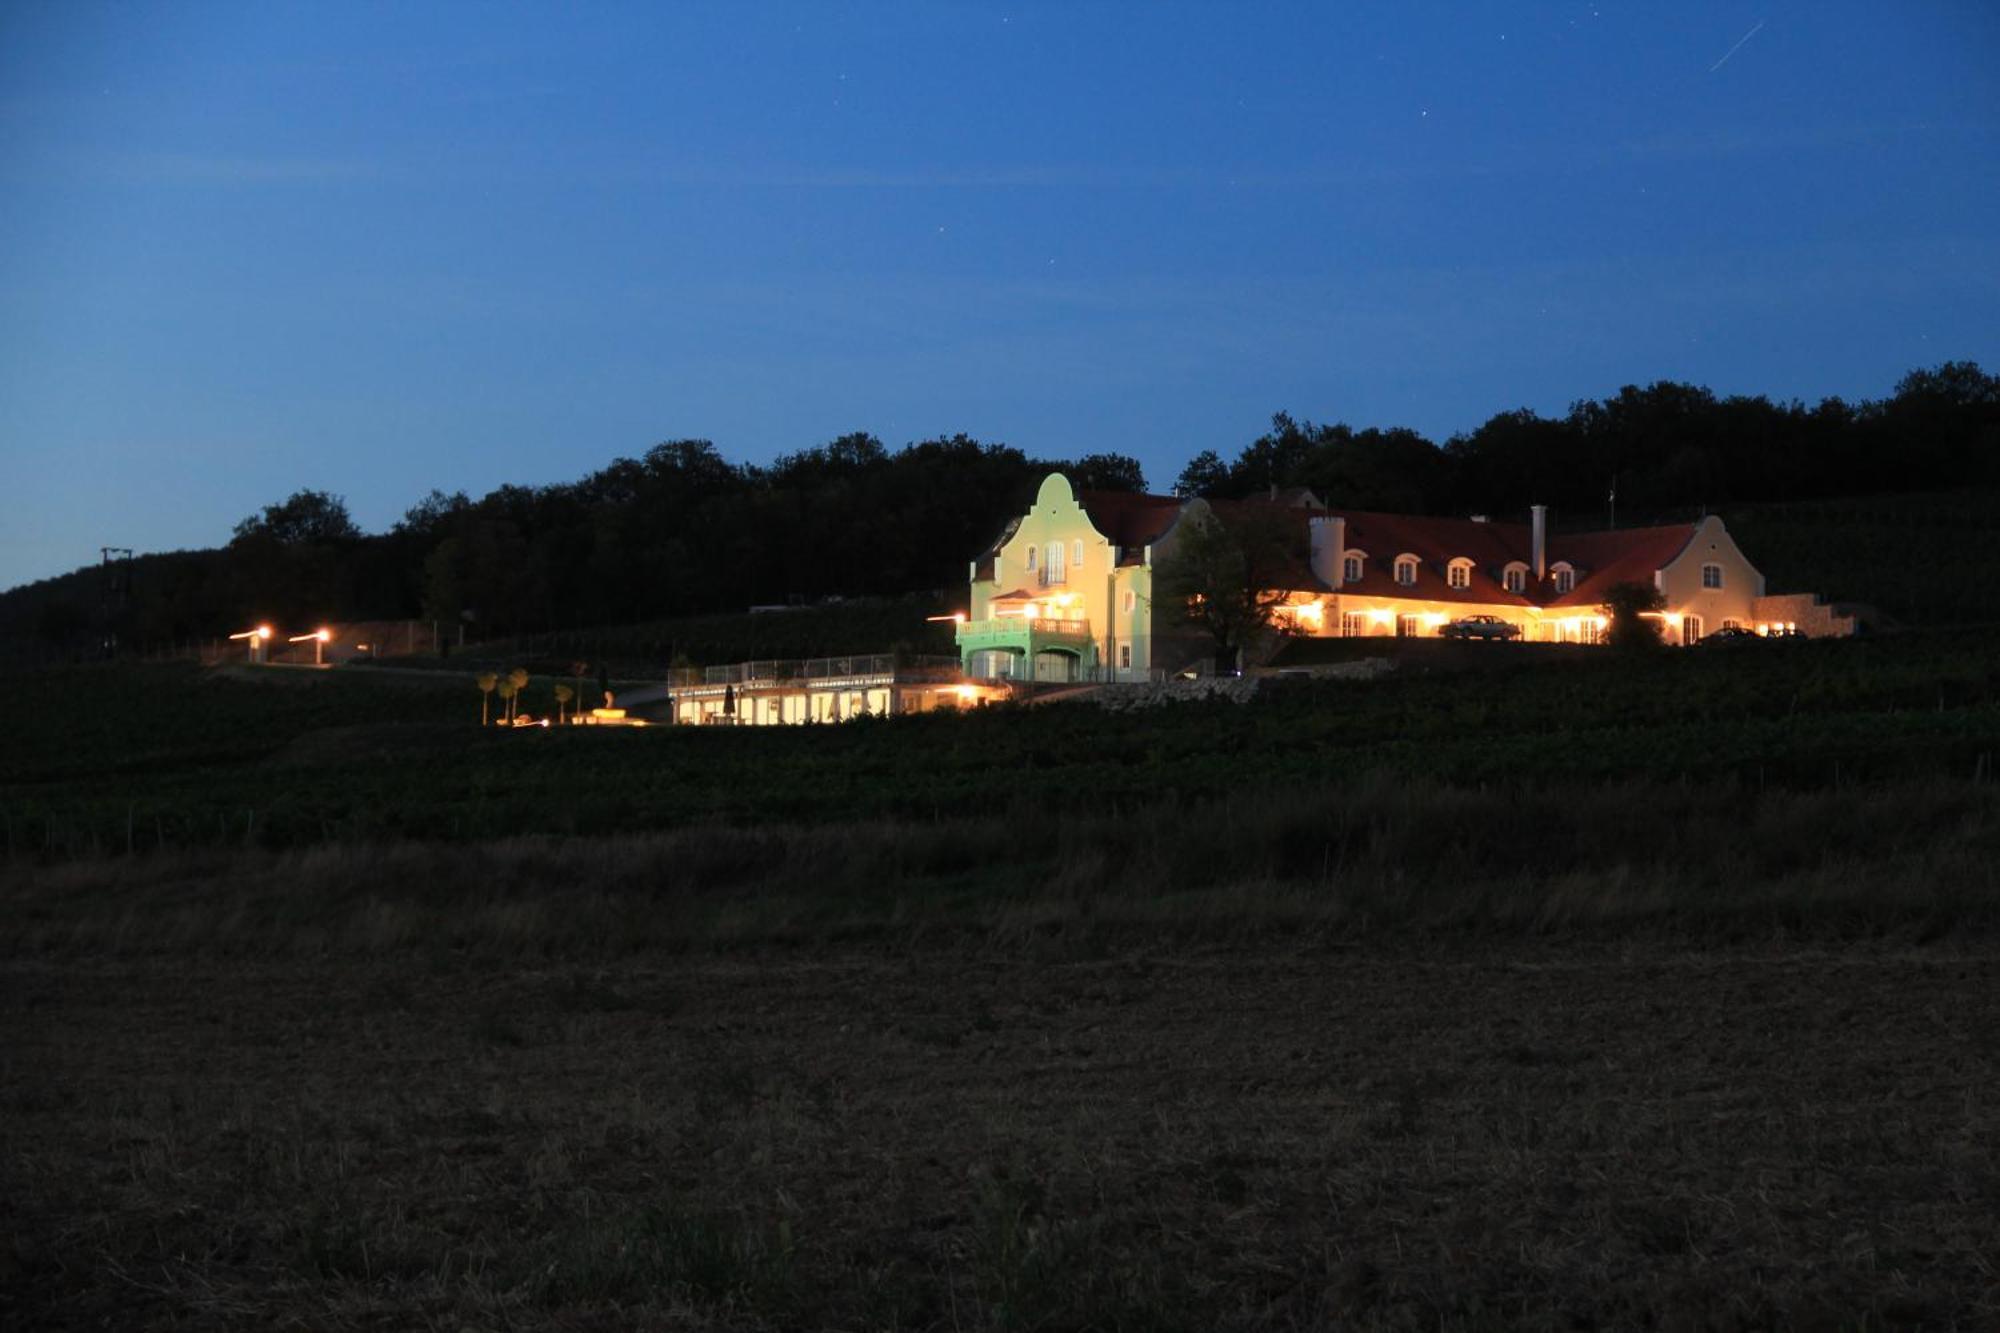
x: 1031, y: 559
x: 1076, y: 554
x: 1353, y: 624
x: 1124, y: 654
x: 1052, y: 569
x: 1515, y: 578
x: 1350, y: 569
x: 1459, y: 573
x: 1128, y: 601
x: 1406, y: 570
x: 1409, y: 627
x: 1565, y: 578
x: 1691, y: 630
x: 1711, y: 576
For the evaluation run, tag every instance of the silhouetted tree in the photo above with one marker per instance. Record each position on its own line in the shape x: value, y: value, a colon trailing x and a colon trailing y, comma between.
x: 1632, y: 610
x: 1107, y: 472
x: 1226, y: 574
x: 1205, y: 476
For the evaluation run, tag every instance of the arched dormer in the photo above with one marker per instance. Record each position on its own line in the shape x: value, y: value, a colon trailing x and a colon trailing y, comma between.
x: 1564, y: 573
x: 1353, y: 564
x: 1458, y: 573
x: 1514, y: 577
x: 1406, y: 569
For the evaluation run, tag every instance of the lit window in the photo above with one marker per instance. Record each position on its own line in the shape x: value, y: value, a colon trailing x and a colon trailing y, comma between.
x: 1353, y: 624
x: 1516, y: 578
x: 1565, y: 578
x: 1125, y: 653
x: 1031, y: 559
x: 1350, y: 569
x: 1711, y: 576
x: 1459, y: 574
x: 1406, y: 571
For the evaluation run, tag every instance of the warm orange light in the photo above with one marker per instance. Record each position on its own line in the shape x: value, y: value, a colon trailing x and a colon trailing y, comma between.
x: 326, y: 636
x: 263, y: 631
x: 1381, y: 615
x: 1434, y: 618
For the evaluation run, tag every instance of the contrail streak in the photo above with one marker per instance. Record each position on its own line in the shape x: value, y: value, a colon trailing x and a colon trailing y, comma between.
x: 1738, y: 47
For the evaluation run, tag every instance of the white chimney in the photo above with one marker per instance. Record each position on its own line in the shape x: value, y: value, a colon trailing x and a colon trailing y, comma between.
x: 1329, y: 547
x: 1539, y: 539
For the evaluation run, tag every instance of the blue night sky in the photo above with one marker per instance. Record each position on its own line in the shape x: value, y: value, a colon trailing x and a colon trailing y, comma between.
x: 375, y: 249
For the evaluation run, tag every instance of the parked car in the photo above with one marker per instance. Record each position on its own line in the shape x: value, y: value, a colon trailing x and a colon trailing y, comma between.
x: 1480, y: 627
x: 1727, y: 635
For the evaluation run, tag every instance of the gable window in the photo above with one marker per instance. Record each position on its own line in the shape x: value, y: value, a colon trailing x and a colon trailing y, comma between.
x: 1031, y: 559
x: 1406, y: 570
x: 1711, y: 576
x: 1459, y: 573
x: 1565, y: 577
x: 1350, y: 569
x: 1076, y: 554
x: 1515, y: 578
x: 1054, y: 572
x: 1129, y: 600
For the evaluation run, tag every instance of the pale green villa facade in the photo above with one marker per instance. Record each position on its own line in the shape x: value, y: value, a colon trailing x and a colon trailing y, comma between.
x: 1066, y: 592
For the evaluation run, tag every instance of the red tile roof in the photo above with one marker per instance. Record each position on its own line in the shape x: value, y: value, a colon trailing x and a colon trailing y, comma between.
x: 1601, y: 559
x: 1129, y: 519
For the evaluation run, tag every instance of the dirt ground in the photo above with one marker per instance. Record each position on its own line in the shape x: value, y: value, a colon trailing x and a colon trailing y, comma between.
x: 1469, y: 1134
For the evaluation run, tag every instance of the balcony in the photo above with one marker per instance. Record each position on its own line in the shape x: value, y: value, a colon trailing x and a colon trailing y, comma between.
x: 1027, y: 640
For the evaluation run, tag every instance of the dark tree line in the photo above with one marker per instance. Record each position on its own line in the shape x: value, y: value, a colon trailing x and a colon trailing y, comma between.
x: 678, y: 531
x: 1662, y: 448
x: 682, y: 530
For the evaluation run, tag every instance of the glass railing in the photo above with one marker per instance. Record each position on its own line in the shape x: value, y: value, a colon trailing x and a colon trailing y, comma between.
x: 775, y: 671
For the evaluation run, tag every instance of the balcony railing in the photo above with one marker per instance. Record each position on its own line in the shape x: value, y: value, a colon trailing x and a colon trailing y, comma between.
x: 902, y: 666
x: 1015, y: 625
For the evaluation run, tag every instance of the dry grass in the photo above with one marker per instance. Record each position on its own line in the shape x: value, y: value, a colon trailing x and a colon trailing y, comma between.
x: 1393, y: 1057
x: 1915, y: 858
x: 1398, y: 1136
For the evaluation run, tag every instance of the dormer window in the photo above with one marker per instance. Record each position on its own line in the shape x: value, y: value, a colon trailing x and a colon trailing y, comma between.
x: 1406, y: 570
x: 1565, y: 576
x: 1458, y: 574
x: 1350, y: 567
x: 1711, y: 576
x: 1515, y: 577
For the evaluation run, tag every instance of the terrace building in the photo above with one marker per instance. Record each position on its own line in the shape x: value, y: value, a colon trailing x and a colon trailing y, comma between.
x: 1066, y: 591
x: 821, y: 689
